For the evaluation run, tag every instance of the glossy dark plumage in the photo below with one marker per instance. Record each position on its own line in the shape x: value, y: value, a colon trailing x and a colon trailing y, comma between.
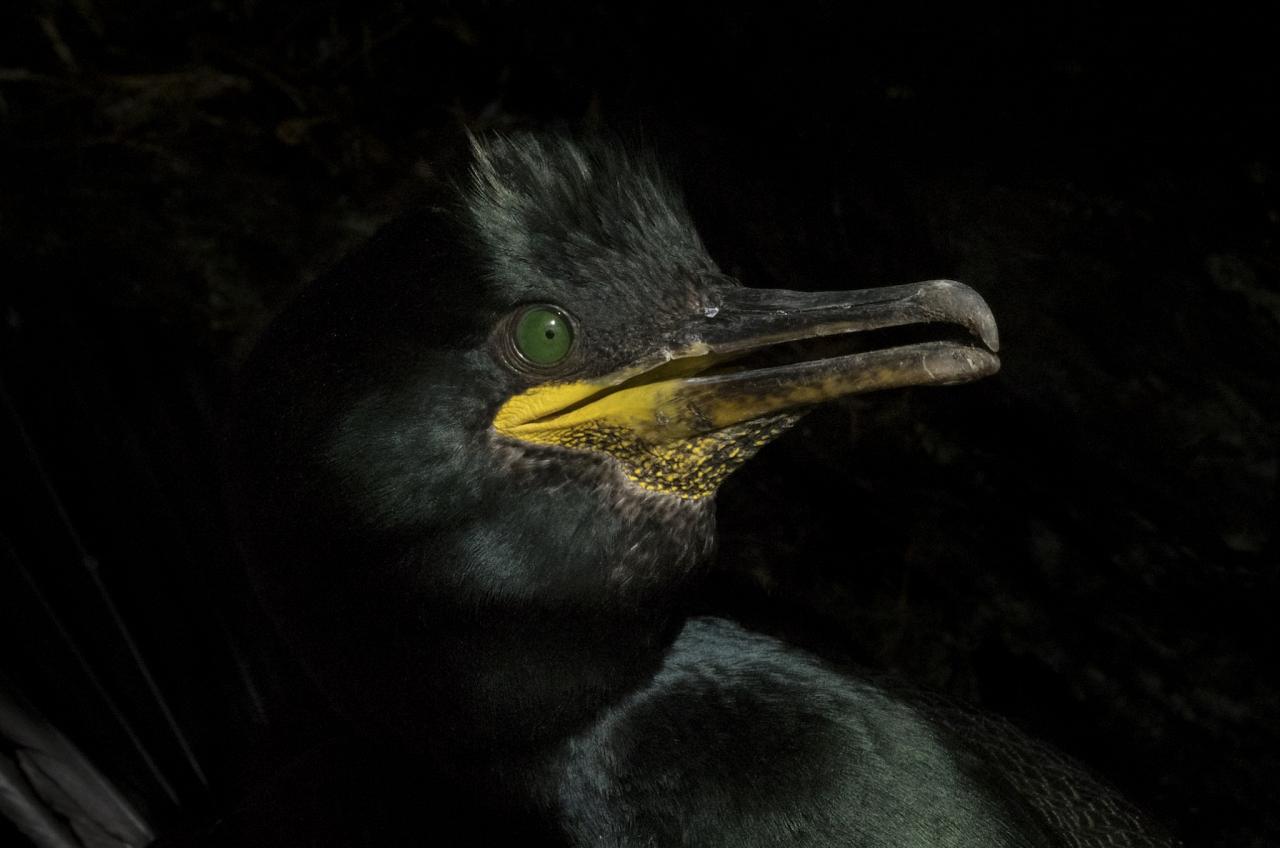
x: 510, y: 618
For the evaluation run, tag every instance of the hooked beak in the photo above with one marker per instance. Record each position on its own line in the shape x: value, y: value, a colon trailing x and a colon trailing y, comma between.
x: 734, y: 377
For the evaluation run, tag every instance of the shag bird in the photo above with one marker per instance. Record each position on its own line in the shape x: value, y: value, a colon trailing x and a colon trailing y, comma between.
x: 477, y: 464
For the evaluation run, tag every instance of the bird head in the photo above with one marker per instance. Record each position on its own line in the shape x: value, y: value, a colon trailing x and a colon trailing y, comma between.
x: 504, y: 421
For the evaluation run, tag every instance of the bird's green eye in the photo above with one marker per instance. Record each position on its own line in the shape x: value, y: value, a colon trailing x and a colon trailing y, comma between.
x: 543, y: 335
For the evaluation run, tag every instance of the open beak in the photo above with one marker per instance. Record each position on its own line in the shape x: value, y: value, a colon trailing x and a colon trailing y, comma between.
x: 736, y: 375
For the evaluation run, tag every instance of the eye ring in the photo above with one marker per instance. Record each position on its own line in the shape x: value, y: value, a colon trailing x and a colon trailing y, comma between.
x: 540, y: 337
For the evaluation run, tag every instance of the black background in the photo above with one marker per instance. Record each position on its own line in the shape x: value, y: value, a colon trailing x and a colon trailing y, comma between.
x: 1085, y: 543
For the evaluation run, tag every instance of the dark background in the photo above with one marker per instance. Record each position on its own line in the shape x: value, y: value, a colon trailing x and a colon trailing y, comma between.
x: 1085, y: 543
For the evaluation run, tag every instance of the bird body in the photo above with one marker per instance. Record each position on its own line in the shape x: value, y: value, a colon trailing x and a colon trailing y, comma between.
x: 741, y: 740
x: 475, y: 470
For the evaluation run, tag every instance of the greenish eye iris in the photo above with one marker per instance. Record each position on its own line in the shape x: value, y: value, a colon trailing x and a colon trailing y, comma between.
x: 543, y: 336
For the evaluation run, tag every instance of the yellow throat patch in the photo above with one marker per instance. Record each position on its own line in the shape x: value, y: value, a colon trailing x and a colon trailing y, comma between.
x: 660, y: 441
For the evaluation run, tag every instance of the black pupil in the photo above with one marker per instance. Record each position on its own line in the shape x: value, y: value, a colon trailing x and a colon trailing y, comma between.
x: 551, y: 333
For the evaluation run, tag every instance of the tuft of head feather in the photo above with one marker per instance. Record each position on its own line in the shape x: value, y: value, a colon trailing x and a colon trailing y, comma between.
x: 548, y: 204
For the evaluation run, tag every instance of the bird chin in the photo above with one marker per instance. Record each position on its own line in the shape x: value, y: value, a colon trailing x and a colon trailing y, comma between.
x: 677, y: 475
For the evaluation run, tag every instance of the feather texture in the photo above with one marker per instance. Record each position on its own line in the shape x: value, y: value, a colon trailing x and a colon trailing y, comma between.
x: 53, y: 793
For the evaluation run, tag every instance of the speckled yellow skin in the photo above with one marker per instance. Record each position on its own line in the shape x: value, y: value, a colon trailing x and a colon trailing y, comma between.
x: 690, y: 468
x: 660, y: 443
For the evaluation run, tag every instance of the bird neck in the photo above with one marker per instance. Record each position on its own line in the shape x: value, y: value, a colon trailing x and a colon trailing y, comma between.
x: 586, y: 593
x: 521, y: 680
x: 504, y: 619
